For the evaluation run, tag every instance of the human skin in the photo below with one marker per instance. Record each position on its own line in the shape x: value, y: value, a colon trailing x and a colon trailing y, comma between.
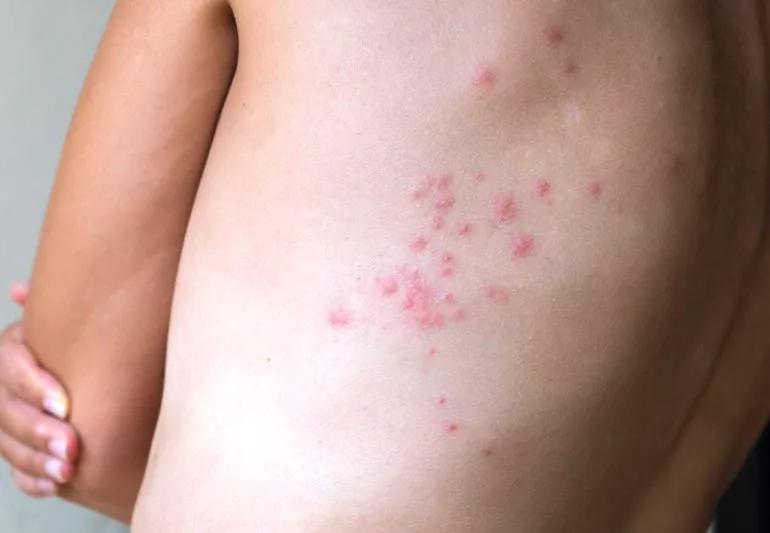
x: 471, y: 268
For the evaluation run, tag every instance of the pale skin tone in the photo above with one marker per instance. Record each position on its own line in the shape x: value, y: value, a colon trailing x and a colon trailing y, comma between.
x: 448, y: 268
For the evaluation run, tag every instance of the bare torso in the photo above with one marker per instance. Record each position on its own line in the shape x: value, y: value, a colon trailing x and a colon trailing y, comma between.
x: 456, y: 266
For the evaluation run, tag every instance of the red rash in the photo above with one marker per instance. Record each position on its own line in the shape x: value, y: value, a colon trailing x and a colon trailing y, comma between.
x: 339, y: 318
x: 418, y: 244
x: 463, y: 229
x: 595, y: 190
x: 420, y: 301
x: 388, y: 285
x: 479, y: 176
x: 447, y: 265
x: 543, y: 188
x: 487, y: 452
x: 497, y: 293
x: 437, y: 223
x: 554, y: 35
x: 522, y: 245
x: 504, y: 208
x: 484, y: 77
x: 451, y: 427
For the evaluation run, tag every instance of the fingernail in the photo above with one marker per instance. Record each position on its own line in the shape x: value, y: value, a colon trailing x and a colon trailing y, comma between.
x: 45, y: 486
x: 53, y: 467
x: 58, y: 447
x: 56, y: 406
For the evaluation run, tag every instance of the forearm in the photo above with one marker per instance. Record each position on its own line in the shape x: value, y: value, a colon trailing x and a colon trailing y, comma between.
x: 103, y: 278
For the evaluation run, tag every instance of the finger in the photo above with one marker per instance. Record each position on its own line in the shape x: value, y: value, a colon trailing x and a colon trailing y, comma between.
x: 34, y: 463
x: 19, y: 292
x: 29, y: 426
x: 34, y: 487
x: 24, y: 378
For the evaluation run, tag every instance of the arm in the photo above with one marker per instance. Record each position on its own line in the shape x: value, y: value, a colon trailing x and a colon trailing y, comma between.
x: 101, y: 288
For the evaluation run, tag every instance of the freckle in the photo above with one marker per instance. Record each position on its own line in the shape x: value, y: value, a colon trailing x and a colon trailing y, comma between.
x: 595, y: 190
x: 339, y: 317
x: 441, y: 400
x: 437, y: 223
x: 497, y: 293
x: 451, y: 427
x: 463, y: 229
x: 554, y: 35
x: 387, y: 285
x: 484, y: 77
x: 543, y: 188
x: 479, y: 177
x: 418, y: 244
x: 504, y: 208
x: 522, y: 245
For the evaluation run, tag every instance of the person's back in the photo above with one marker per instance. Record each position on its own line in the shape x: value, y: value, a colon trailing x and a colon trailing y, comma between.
x: 450, y: 267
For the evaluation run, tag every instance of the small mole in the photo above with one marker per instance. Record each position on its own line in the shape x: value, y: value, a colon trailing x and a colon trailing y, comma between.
x: 484, y: 77
x: 595, y: 190
x: 339, y: 317
x: 418, y: 244
x: 522, y: 245
x: 504, y: 208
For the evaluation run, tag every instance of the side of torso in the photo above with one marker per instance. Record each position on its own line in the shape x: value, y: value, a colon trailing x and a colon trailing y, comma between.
x: 439, y: 272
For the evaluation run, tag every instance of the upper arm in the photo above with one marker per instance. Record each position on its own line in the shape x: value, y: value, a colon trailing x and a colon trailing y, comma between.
x: 102, y: 281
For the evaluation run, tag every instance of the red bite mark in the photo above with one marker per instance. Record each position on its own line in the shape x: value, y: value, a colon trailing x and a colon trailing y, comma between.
x: 497, y: 294
x: 420, y: 301
x: 451, y: 427
x: 479, y: 177
x: 554, y: 35
x: 463, y: 229
x: 487, y: 451
x: 595, y: 190
x: 418, y: 244
x: 387, y: 285
x: 504, y: 208
x: 484, y: 77
x: 441, y: 400
x: 339, y: 317
x: 522, y: 245
x: 543, y: 188
x: 437, y: 223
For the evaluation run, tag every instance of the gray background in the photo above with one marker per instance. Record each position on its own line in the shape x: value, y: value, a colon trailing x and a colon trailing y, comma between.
x: 45, y: 52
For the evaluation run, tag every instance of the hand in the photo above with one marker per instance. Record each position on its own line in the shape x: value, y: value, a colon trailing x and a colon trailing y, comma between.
x: 35, y: 439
